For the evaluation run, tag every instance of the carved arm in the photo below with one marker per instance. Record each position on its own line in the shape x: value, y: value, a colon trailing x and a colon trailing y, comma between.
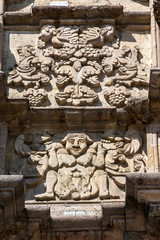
x: 53, y: 160
x: 99, y: 160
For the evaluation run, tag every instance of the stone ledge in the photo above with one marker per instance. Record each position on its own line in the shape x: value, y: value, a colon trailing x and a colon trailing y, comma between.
x: 14, y: 184
x: 112, y: 211
x: 59, y: 118
x: 49, y: 12
x: 76, y: 11
x: 125, y: 218
x: 65, y: 13
x: 139, y: 194
x: 11, y: 200
x: 74, y: 117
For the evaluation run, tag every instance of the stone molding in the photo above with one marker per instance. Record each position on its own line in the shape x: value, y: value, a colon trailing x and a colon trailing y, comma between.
x: 93, y: 13
x: 49, y: 12
x: 126, y: 219
x: 11, y: 200
x: 139, y: 214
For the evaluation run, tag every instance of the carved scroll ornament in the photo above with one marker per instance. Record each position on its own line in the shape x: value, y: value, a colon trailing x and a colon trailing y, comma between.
x: 84, y: 60
x: 78, y: 168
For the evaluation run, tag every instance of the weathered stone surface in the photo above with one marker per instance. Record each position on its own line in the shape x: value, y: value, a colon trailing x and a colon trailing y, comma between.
x: 76, y: 167
x: 79, y: 122
x: 129, y: 5
x: 11, y: 201
x: 91, y: 68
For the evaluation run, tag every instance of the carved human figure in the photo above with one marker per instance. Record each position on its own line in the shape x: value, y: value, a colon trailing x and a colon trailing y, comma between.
x: 75, y: 170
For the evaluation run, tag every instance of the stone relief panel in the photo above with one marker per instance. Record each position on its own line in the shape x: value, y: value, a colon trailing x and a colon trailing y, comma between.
x: 77, y: 166
x: 80, y: 66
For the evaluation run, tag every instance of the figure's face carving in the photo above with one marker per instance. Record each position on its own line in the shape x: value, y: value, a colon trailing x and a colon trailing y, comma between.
x: 76, y: 145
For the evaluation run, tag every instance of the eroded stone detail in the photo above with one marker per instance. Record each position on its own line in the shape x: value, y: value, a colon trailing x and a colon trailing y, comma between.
x: 86, y: 235
x: 123, y: 62
x: 118, y: 96
x: 78, y: 168
x: 27, y: 73
x: 76, y: 95
x: 36, y: 96
x: 85, y: 62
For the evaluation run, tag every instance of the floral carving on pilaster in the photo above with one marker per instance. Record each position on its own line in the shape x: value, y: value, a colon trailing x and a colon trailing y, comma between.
x: 76, y: 168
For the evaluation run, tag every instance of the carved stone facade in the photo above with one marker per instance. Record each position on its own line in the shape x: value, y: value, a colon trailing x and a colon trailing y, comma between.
x: 76, y: 168
x: 85, y: 64
x: 79, y: 123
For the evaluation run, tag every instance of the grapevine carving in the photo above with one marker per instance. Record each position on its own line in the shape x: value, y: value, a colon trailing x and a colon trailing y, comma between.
x: 84, y: 60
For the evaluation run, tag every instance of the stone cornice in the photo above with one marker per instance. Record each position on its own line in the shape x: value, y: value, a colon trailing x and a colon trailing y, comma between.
x: 77, y: 12
x: 11, y: 200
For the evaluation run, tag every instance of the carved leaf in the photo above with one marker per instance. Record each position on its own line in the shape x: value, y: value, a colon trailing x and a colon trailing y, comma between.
x: 76, y: 95
x: 135, y: 144
x: 65, y: 74
x: 139, y: 164
x: 90, y: 75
